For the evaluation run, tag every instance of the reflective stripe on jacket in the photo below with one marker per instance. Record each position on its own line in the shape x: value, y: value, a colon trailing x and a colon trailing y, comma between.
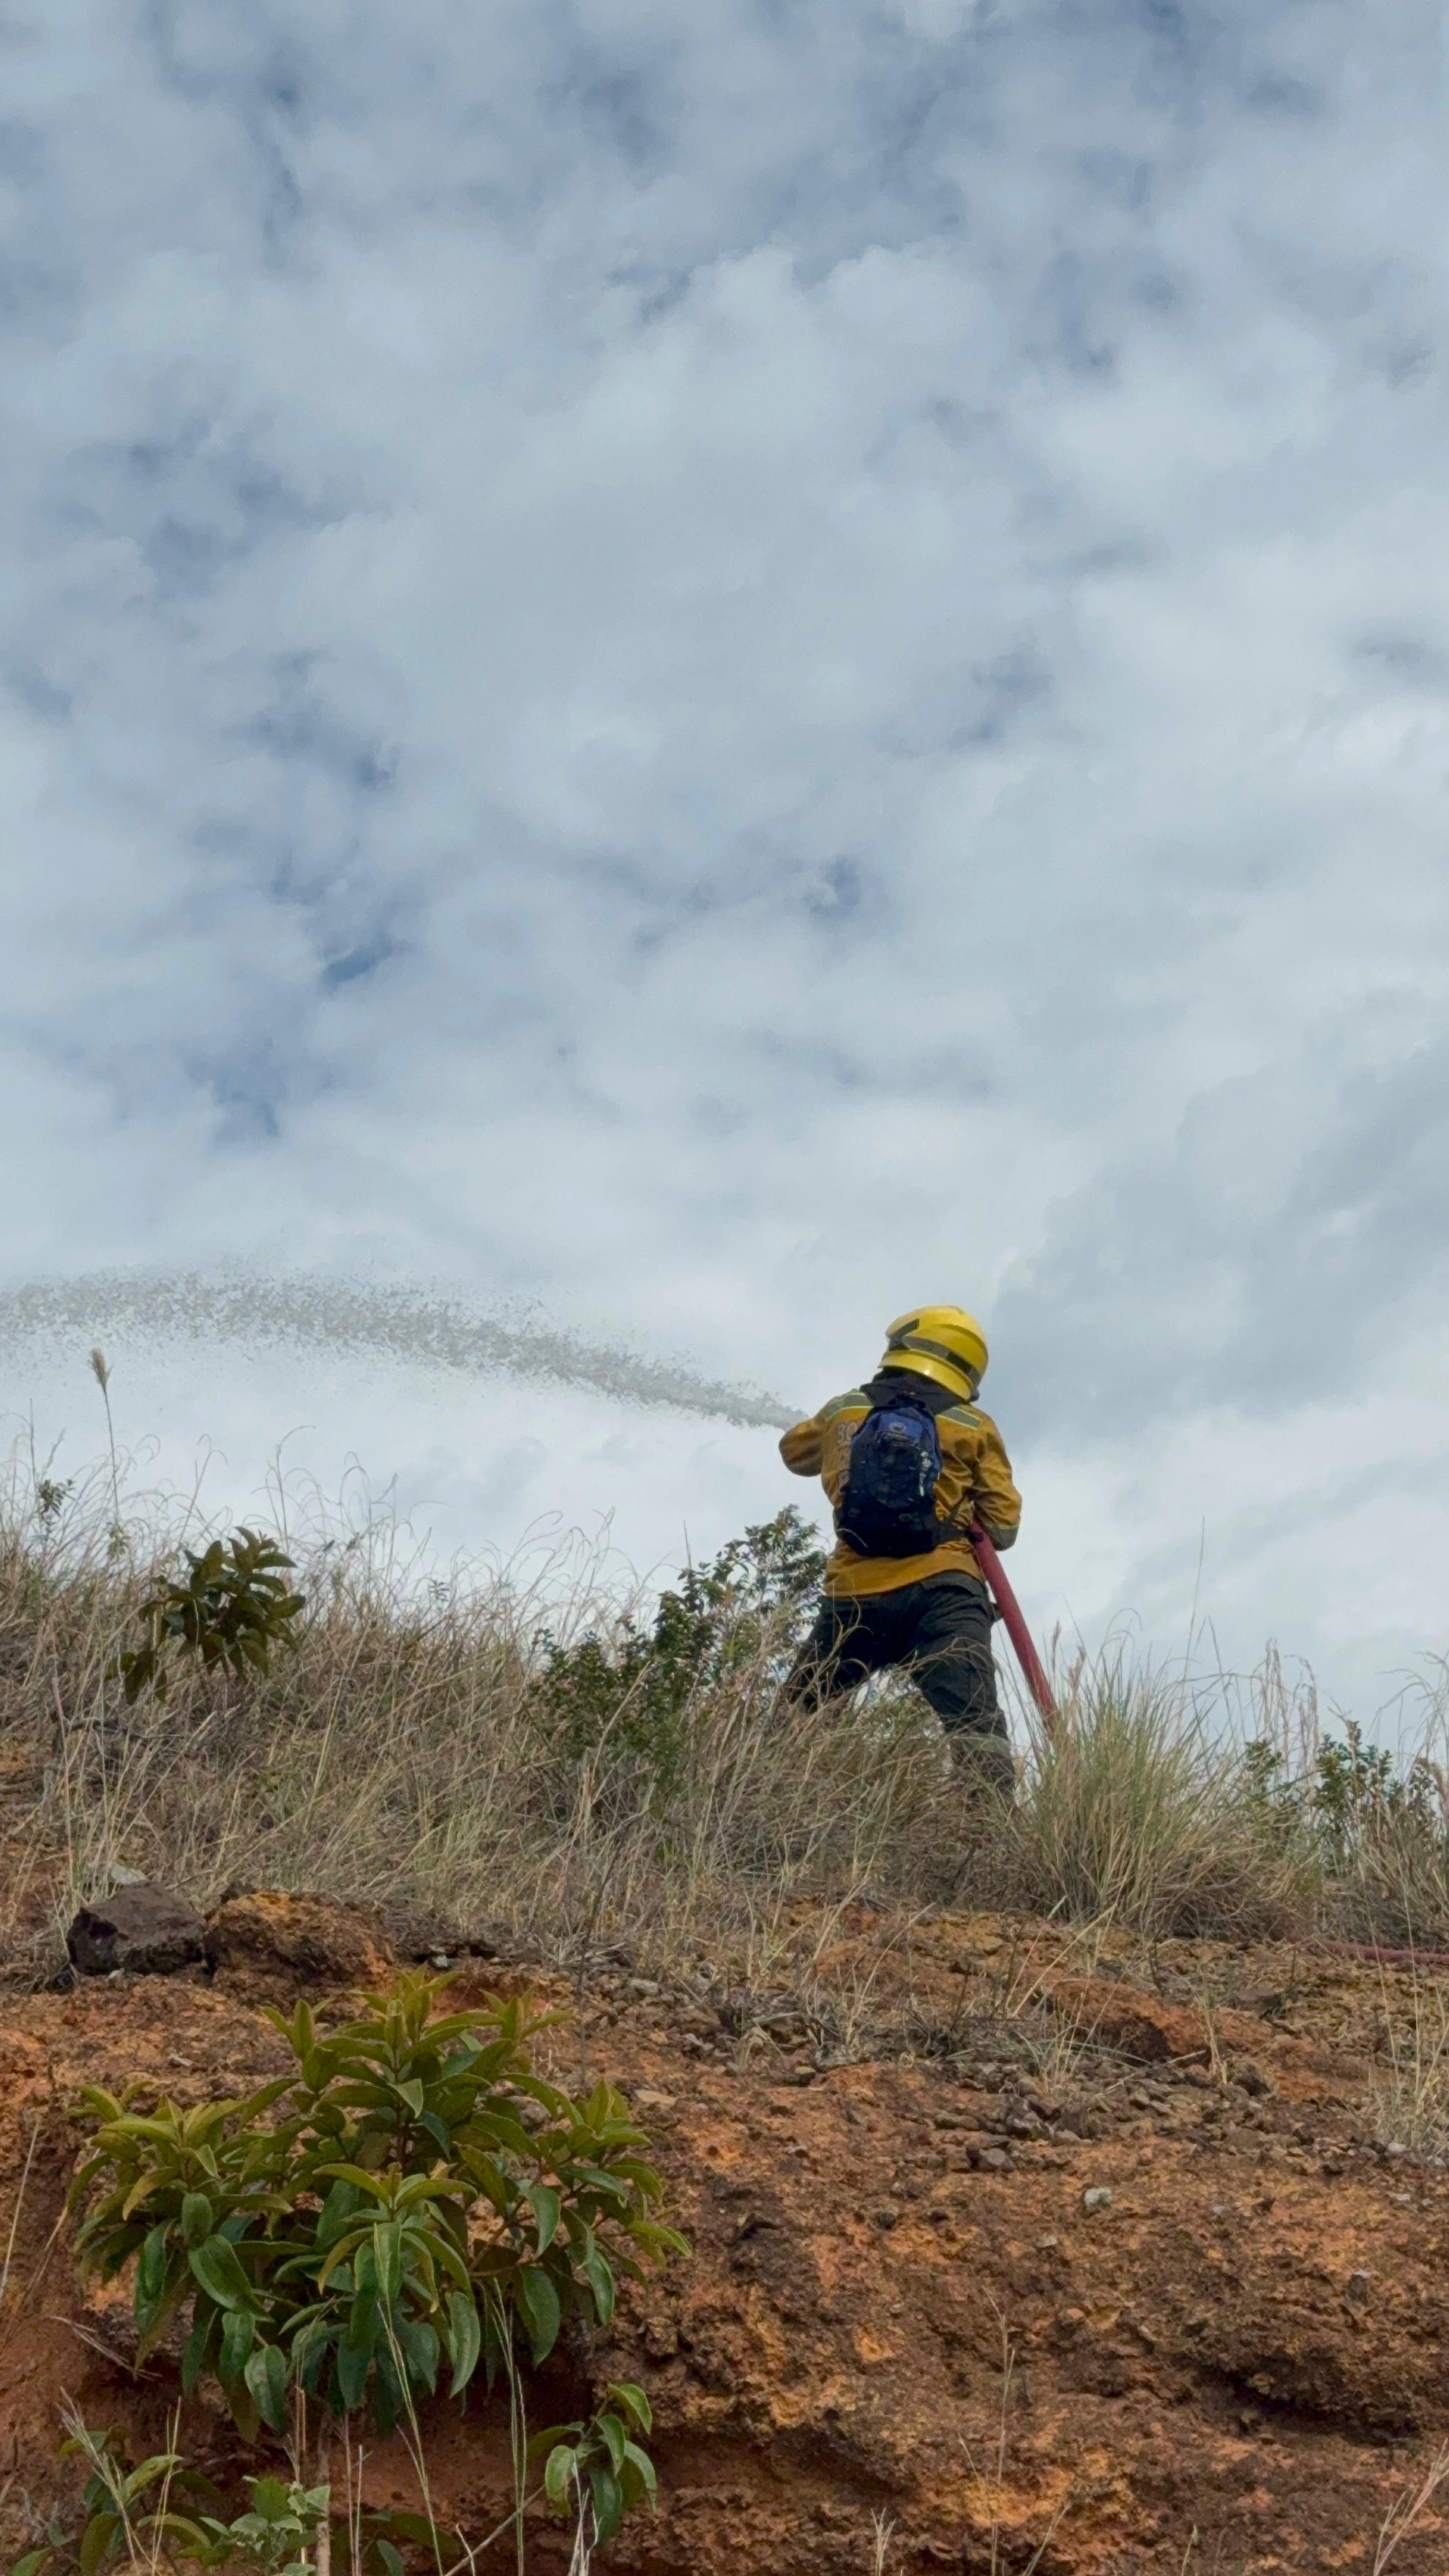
x: 974, y: 1483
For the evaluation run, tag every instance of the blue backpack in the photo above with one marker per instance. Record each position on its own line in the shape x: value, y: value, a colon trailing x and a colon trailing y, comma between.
x: 888, y: 1507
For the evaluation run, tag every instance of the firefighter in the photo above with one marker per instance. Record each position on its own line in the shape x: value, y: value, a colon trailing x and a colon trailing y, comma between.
x: 909, y: 1462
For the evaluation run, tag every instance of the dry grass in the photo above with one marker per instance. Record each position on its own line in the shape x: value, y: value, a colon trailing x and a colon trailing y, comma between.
x: 414, y: 1749
x: 1407, y: 2514
x: 411, y: 1749
x: 1392, y: 1882
x: 7, y: 2259
x: 1143, y: 1811
x: 993, y: 2498
x: 1409, y: 2084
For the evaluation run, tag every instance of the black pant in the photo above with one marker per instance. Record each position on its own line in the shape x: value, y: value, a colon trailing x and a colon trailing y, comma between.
x: 938, y: 1631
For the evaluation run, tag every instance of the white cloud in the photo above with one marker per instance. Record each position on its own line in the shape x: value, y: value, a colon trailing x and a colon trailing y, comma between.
x: 725, y: 665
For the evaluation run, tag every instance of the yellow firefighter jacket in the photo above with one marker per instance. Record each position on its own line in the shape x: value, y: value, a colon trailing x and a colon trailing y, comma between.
x: 974, y: 1484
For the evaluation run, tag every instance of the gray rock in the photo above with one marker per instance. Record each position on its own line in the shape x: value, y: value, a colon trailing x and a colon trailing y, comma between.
x: 1080, y: 2122
x: 1099, y: 2197
x: 144, y: 1931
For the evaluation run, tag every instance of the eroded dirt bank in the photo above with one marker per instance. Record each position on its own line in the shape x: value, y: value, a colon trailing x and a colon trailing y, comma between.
x: 908, y: 2336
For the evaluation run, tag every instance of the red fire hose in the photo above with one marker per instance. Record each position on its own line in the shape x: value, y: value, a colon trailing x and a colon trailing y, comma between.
x: 1033, y: 1669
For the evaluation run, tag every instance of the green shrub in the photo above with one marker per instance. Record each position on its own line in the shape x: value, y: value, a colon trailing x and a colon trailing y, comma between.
x: 276, y: 2535
x: 633, y: 1686
x: 1376, y: 1834
x: 232, y: 1609
x: 412, y: 2203
x: 1354, y: 1794
x: 1384, y: 1833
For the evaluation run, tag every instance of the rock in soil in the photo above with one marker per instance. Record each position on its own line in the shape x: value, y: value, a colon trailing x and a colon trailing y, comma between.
x: 268, y: 1945
x: 147, y: 1931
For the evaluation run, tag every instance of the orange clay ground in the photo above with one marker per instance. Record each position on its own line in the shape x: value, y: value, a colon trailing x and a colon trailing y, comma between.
x: 904, y: 2340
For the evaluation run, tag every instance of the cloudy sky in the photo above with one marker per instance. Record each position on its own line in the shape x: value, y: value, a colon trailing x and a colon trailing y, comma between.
x: 708, y: 666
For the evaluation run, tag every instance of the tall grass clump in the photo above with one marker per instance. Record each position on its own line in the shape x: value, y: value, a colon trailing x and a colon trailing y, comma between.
x: 1143, y: 1808
x: 1409, y: 2080
x: 1175, y: 1804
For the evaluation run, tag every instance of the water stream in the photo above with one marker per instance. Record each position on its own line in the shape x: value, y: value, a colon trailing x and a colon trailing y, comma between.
x: 419, y: 1327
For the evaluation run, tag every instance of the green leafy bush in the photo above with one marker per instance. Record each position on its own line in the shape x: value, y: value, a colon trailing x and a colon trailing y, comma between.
x: 232, y: 1609
x: 412, y: 2203
x: 634, y: 1685
x: 1383, y: 1831
x: 1356, y: 1793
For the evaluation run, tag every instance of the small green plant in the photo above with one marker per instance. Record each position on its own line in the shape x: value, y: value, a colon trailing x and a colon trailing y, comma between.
x: 277, y: 2534
x: 1277, y: 1804
x: 164, y: 2513
x: 393, y: 2215
x: 123, y: 2509
x: 1263, y: 1774
x: 233, y: 1607
x: 1354, y: 1793
x: 602, y: 2455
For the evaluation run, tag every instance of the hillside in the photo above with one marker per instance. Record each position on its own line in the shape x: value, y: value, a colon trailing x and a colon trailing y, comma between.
x: 908, y: 2338
x: 1066, y: 2189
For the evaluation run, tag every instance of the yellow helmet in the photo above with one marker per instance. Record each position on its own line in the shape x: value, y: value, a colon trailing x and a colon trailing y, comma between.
x: 942, y: 1342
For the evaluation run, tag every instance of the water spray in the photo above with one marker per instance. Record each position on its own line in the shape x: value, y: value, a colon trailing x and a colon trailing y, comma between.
x: 417, y: 1327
